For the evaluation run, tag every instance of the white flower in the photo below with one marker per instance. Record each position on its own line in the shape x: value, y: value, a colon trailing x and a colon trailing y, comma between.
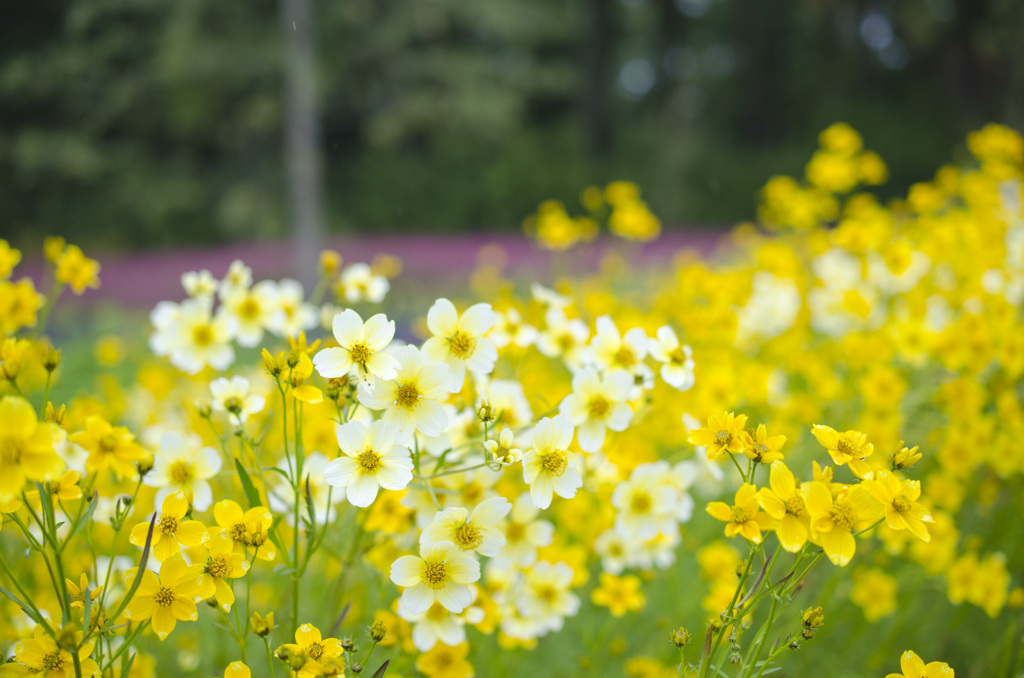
x: 358, y: 282
x: 178, y: 465
x: 598, y: 403
x: 371, y: 458
x: 546, y: 596
x: 550, y: 467
x: 412, y: 400
x: 199, y: 284
x: 613, y: 351
x: 549, y: 297
x: 233, y: 396
x: 360, y: 345
x: 239, y: 276
x: 614, y: 549
x: 504, y: 450
x: 477, y: 532
x: 438, y: 624
x: 524, y: 534
x: 459, y: 341
x: 442, y: 573
x: 509, y: 328
x: 253, y: 309
x: 564, y: 338
x: 645, y: 504
x: 676, y: 360
x: 292, y: 314
x: 508, y: 399
x: 193, y: 336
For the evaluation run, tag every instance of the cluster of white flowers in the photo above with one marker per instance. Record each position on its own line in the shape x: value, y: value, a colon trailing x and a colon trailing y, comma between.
x: 203, y: 329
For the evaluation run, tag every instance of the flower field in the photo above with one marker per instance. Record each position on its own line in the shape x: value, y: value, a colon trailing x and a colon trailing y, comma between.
x: 799, y: 456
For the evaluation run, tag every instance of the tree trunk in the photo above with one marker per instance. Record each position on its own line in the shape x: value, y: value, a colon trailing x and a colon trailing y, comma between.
x: 303, y: 160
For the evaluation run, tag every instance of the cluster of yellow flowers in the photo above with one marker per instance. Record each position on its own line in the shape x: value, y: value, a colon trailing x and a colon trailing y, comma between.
x: 456, y: 488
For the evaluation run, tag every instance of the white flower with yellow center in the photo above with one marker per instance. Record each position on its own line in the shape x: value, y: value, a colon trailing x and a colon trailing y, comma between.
x: 253, y: 309
x: 239, y: 276
x: 438, y: 624
x: 524, y: 534
x: 597, y: 404
x: 549, y: 467
x: 360, y: 346
x: 676, y: 359
x: 412, y: 399
x: 459, y: 341
x: 180, y: 465
x: 441, y: 573
x: 611, y: 350
x: 546, y: 596
x: 509, y: 328
x: 564, y: 338
x: 503, y: 449
x: 193, y: 336
x: 645, y: 504
x: 477, y: 532
x: 234, y: 397
x: 359, y: 282
x: 614, y: 549
x: 199, y: 284
x: 292, y: 315
x: 371, y: 458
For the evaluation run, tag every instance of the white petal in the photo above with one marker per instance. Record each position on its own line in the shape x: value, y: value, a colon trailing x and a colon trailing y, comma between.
x: 477, y: 320
x: 442, y: 318
x: 332, y: 362
x: 378, y: 331
x: 417, y: 599
x: 348, y: 327
x: 489, y: 512
x: 339, y: 472
x: 407, y: 570
x: 362, y: 489
x: 455, y: 597
x: 351, y: 437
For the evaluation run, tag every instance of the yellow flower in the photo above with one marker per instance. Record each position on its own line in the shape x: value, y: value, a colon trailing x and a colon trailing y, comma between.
x: 170, y: 529
x: 307, y: 393
x: 112, y: 447
x: 761, y: 448
x: 904, y: 458
x: 26, y: 445
x: 309, y: 640
x: 248, y: 529
x: 743, y: 517
x: 43, y: 658
x: 899, y: 497
x: 833, y: 519
x: 77, y: 270
x: 913, y: 667
x: 222, y: 563
x: 619, y: 594
x: 722, y: 434
x: 64, y: 489
x: 237, y: 670
x: 77, y: 593
x: 19, y: 305
x: 445, y: 661
x: 874, y: 592
x: 9, y: 258
x: 53, y: 248
x: 784, y: 502
x: 850, y: 448
x: 168, y: 598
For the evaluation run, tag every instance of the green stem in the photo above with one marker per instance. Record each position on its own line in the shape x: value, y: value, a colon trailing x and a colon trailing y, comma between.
x: 270, y: 657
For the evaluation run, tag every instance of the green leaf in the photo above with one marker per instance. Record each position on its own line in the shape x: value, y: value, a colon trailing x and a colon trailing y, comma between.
x: 24, y: 606
x: 383, y: 667
x: 440, y: 460
x: 309, y: 505
x: 139, y: 572
x: 128, y: 666
x: 250, y: 490
x: 87, y: 615
x: 85, y: 517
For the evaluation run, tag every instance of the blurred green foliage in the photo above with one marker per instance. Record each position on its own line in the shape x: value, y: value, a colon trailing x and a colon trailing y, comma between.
x: 129, y: 123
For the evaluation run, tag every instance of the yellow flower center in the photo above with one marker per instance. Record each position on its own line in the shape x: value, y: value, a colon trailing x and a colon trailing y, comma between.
x: 739, y: 514
x: 641, y: 503
x: 547, y: 593
x: 10, y: 452
x: 435, y: 575
x: 795, y: 505
x: 598, y: 407
x: 841, y: 514
x: 315, y: 650
x: 515, y: 532
x: 467, y: 537
x: 53, y: 662
x: 233, y: 404
x: 181, y: 473
x: 202, y: 335
x: 437, y: 612
x: 249, y: 309
x: 219, y: 567
x: 846, y: 446
x: 408, y: 395
x: 625, y: 356
x: 566, y: 341
x: 462, y: 345
x: 164, y: 597
x: 554, y: 462
x: 759, y: 450
x: 723, y: 437
x: 168, y: 525
x: 677, y: 357
x: 108, y: 442
x: 238, y: 532
x: 369, y: 461
x: 359, y: 353
x: 902, y: 504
